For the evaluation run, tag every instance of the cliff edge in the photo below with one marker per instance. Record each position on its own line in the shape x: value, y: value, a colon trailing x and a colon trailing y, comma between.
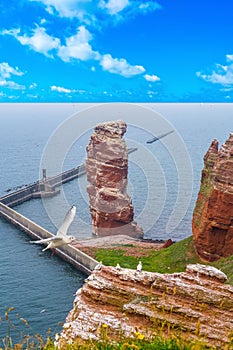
x: 194, y: 304
x: 212, y: 223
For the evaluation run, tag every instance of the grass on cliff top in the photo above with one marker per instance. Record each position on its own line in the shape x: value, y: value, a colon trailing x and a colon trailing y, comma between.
x: 172, y: 259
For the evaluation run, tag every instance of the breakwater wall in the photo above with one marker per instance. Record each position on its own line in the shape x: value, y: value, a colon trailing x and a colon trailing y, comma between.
x: 66, y: 176
x: 36, y: 190
x: 72, y: 255
x: 43, y: 188
x: 46, y: 188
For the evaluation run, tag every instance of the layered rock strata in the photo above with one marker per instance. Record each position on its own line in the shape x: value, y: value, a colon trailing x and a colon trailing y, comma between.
x: 107, y: 170
x: 193, y: 304
x: 212, y: 222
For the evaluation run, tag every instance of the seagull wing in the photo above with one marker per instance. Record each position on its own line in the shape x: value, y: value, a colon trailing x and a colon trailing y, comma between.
x: 62, y: 231
x: 46, y: 240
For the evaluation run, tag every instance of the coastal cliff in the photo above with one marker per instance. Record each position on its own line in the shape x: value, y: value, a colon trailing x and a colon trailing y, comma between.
x: 107, y: 171
x: 193, y: 304
x: 212, y: 223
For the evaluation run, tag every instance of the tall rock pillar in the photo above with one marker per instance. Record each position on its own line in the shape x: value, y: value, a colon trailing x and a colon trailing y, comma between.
x: 107, y: 171
x: 212, y: 223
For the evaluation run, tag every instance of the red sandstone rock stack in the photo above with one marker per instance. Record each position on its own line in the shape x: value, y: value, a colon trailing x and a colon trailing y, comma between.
x: 107, y: 170
x: 213, y: 215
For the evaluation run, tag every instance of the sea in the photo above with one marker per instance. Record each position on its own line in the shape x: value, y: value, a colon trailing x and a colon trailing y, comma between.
x: 163, y: 182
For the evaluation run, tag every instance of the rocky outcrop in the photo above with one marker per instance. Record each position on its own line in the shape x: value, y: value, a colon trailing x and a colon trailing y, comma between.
x: 212, y: 223
x: 107, y: 170
x: 195, y: 303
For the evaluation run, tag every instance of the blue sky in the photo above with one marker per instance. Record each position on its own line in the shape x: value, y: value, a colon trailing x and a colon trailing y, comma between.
x: 116, y: 50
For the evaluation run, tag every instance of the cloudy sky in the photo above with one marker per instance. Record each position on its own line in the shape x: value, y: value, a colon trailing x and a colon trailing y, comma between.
x: 116, y: 50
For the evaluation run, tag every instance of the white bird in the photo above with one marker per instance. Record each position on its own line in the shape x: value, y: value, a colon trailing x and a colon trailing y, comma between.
x: 118, y: 266
x: 61, y: 237
x: 98, y: 266
x: 139, y: 267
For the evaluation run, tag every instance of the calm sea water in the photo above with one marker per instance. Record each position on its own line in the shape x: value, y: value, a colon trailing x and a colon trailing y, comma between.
x: 41, y: 287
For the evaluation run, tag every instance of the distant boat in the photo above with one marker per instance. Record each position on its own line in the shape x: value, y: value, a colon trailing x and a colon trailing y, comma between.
x: 156, y: 138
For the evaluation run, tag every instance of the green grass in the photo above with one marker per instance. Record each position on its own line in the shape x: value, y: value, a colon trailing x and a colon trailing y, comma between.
x: 172, y: 259
x: 226, y: 265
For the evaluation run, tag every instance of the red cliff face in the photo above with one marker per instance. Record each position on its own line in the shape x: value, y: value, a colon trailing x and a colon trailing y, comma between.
x: 213, y: 215
x: 107, y: 170
x: 195, y: 304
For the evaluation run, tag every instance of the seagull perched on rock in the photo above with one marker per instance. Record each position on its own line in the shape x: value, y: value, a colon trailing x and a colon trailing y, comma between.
x: 118, y: 267
x: 98, y: 266
x: 61, y: 237
x: 139, y: 267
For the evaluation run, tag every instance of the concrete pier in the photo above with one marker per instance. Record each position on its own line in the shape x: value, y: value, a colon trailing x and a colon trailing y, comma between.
x: 45, y: 188
x: 72, y: 255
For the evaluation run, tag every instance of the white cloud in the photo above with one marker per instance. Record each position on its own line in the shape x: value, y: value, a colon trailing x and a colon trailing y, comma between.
x: 65, y: 8
x: 11, y: 84
x: 91, y: 12
x: 152, y: 78
x: 6, y: 70
x: 227, y: 89
x: 43, y: 21
x: 229, y: 58
x: 130, y: 7
x: 33, y: 86
x: 40, y: 41
x: 14, y: 32
x: 152, y: 93
x: 78, y: 47
x: 120, y: 66
x: 32, y: 96
x: 223, y: 74
x: 148, y: 6
x: 83, y: 10
x: 61, y: 89
x: 113, y: 6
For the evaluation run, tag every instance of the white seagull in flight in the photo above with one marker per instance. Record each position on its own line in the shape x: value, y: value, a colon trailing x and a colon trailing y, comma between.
x: 61, y: 237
